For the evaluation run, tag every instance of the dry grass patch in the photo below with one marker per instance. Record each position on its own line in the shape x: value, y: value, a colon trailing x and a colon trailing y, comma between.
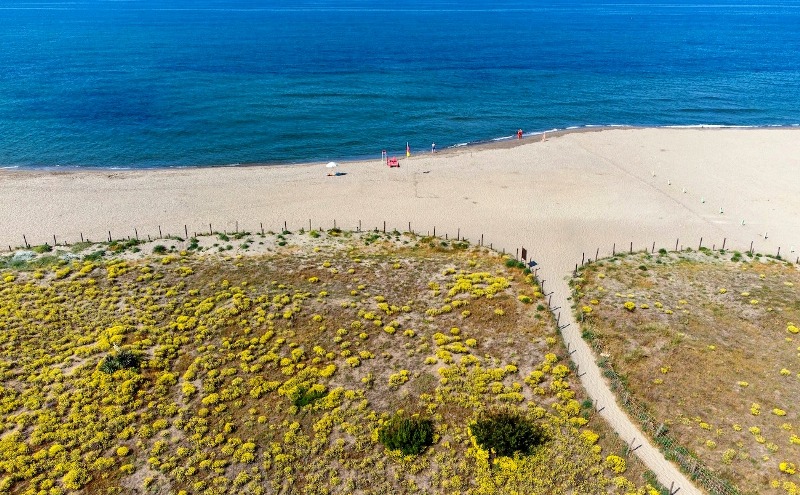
x: 710, y: 346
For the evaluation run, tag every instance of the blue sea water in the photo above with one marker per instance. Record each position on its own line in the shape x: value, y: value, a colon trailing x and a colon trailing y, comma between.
x: 156, y: 83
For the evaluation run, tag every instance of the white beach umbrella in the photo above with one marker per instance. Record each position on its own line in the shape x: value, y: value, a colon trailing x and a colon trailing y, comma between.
x: 331, y: 165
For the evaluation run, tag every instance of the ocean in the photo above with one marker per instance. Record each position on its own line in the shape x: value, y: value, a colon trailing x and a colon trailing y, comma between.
x: 169, y: 83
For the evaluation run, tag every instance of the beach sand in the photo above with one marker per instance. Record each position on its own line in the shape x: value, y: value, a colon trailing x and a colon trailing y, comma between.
x: 571, y: 196
x: 560, y: 198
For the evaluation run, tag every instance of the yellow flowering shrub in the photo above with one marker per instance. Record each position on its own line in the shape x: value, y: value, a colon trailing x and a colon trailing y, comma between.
x: 253, y: 380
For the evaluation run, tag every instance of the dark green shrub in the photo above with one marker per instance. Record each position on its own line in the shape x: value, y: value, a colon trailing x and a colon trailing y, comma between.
x: 409, y: 435
x: 121, y: 360
x: 314, y: 234
x: 306, y: 397
x: 159, y: 249
x: 507, y: 433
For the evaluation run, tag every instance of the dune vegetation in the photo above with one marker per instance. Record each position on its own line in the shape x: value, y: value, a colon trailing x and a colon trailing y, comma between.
x: 327, y: 362
x: 708, y: 343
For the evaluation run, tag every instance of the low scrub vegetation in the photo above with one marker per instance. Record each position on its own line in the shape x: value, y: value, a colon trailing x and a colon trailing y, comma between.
x: 339, y: 363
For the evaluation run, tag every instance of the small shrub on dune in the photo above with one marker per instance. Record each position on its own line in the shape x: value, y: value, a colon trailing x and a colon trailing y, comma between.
x: 507, y: 433
x: 44, y: 248
x: 411, y: 435
x: 124, y: 359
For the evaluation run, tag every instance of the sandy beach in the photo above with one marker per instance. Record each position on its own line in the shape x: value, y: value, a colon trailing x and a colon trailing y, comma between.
x: 560, y: 198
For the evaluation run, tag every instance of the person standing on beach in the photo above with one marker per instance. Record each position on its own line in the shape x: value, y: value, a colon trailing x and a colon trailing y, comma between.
x: 433, y: 147
x: 519, y: 134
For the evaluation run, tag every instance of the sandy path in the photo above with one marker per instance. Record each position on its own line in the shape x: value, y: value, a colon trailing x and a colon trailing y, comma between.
x: 560, y: 198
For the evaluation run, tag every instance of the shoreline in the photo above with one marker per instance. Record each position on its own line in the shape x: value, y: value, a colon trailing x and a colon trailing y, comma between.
x: 492, y: 143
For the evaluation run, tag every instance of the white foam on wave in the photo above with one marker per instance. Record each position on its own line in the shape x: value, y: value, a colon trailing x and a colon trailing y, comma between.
x: 710, y: 126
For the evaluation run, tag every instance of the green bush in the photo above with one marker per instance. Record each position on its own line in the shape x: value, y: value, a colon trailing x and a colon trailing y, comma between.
x: 409, y: 435
x: 159, y: 249
x: 44, y: 248
x: 507, y: 433
x: 512, y: 263
x: 122, y: 359
x: 306, y: 397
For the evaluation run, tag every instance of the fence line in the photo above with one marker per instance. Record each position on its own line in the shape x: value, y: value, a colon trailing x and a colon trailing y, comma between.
x: 109, y: 238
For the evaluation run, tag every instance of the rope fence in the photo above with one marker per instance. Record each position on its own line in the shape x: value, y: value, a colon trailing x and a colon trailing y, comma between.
x: 210, y: 230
